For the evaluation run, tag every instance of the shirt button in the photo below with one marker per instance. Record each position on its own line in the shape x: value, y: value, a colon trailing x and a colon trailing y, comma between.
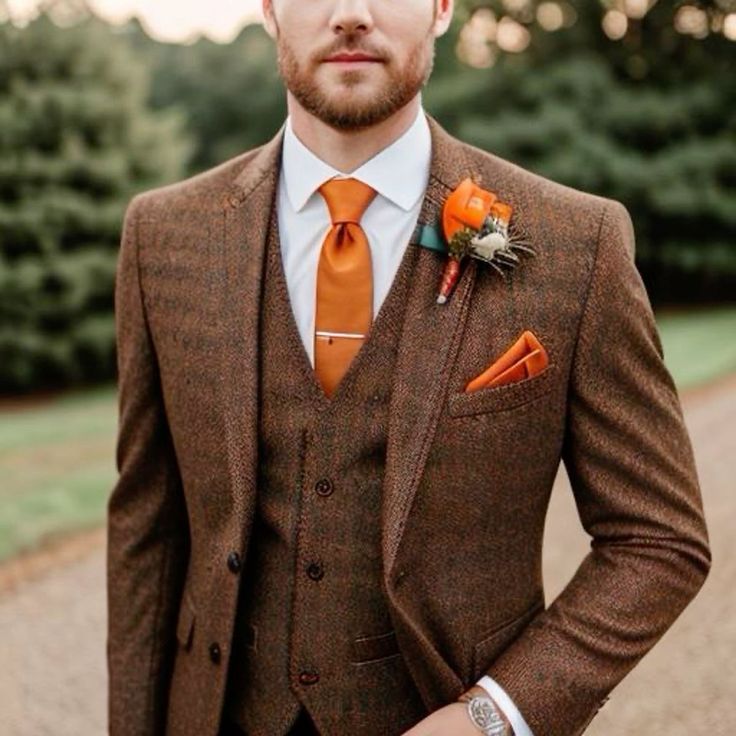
x: 308, y: 677
x: 215, y: 652
x: 323, y: 486
x: 233, y: 562
x: 315, y: 571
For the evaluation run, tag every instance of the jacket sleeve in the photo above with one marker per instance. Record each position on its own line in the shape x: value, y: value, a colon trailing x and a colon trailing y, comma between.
x: 147, y: 531
x: 631, y: 467
x: 500, y: 697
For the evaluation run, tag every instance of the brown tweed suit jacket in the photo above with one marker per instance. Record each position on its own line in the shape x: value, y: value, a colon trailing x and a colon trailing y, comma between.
x: 468, y: 475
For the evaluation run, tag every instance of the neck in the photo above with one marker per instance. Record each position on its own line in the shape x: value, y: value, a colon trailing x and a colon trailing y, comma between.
x: 346, y: 150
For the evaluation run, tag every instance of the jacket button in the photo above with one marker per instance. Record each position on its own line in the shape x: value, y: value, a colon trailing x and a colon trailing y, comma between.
x: 308, y: 677
x: 215, y: 652
x: 233, y: 562
x: 323, y: 486
x: 315, y: 571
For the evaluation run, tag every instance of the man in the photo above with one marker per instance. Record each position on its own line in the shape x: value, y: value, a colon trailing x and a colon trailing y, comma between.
x: 317, y: 527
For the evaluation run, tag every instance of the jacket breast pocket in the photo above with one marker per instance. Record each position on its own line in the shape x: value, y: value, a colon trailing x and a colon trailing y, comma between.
x: 505, y: 396
x: 493, y: 642
x: 185, y: 621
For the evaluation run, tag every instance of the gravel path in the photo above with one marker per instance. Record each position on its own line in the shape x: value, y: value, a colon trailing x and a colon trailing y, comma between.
x: 52, y: 618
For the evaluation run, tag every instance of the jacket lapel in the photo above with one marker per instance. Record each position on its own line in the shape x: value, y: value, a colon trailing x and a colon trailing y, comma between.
x: 246, y: 210
x: 428, y: 345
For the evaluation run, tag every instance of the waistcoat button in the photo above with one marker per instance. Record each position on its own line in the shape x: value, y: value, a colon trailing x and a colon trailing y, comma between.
x: 308, y: 677
x: 233, y: 562
x: 315, y: 571
x: 323, y: 486
x: 215, y: 652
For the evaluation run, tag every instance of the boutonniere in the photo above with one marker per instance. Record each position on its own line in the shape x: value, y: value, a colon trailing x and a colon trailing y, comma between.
x: 477, y: 224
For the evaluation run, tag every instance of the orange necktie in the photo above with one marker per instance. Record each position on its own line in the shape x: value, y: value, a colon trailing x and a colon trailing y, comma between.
x: 344, y: 303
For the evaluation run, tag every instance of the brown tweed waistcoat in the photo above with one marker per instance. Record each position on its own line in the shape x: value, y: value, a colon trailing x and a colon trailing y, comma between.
x: 313, y: 625
x: 466, y: 478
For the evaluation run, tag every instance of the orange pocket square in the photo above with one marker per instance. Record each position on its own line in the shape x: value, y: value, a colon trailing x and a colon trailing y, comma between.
x: 524, y: 359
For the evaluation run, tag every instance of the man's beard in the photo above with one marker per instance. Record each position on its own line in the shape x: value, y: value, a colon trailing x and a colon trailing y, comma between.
x: 400, y: 87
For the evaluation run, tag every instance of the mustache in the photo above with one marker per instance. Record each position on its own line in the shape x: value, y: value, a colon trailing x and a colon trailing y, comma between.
x: 352, y: 47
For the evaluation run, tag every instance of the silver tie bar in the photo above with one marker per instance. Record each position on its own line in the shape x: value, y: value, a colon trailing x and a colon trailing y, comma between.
x: 325, y: 333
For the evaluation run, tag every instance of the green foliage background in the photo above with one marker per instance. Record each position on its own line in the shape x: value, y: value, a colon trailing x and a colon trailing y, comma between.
x: 649, y: 120
x: 77, y: 140
x: 90, y: 114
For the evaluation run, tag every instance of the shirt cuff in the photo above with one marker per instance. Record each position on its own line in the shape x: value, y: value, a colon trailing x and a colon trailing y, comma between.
x: 505, y: 703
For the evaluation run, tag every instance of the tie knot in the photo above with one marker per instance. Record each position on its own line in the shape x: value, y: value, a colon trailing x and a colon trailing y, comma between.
x: 347, y: 199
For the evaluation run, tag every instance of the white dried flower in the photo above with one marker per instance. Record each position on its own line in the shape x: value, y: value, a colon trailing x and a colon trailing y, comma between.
x: 487, y: 246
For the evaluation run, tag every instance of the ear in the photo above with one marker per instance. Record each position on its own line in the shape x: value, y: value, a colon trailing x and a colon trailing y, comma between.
x: 443, y: 15
x: 269, y: 18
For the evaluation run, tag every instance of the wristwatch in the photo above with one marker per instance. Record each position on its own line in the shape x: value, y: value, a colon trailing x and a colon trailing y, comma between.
x: 486, y: 717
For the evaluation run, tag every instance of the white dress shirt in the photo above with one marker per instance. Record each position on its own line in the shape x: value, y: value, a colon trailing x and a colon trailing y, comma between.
x: 399, y: 173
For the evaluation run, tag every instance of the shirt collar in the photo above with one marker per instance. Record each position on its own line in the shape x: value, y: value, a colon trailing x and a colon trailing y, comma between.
x: 304, y: 172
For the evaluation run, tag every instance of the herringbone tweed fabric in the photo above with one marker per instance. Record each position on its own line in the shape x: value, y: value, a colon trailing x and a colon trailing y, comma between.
x: 466, y: 478
x: 312, y: 597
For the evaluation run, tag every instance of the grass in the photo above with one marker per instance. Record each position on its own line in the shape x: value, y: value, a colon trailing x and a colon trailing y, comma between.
x: 58, y: 466
x: 698, y: 345
x: 58, y: 456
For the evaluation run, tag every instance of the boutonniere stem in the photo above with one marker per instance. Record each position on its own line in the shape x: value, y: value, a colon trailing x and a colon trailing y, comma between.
x: 450, y: 276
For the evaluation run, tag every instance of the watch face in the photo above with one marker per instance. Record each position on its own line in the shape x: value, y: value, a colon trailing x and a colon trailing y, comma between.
x: 485, y: 716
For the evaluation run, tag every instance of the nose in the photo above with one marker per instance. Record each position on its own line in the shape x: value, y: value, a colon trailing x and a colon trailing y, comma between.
x: 351, y: 16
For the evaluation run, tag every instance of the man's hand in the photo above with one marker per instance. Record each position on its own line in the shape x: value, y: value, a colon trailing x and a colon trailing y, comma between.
x: 451, y: 720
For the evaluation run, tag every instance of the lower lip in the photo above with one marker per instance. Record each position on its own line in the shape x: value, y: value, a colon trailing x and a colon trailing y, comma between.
x: 357, y: 62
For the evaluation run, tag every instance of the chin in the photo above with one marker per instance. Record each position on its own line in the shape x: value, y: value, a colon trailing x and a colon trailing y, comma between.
x: 351, y: 98
x: 354, y: 86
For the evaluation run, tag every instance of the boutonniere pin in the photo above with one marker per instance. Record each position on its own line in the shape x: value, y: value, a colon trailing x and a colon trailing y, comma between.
x: 475, y: 223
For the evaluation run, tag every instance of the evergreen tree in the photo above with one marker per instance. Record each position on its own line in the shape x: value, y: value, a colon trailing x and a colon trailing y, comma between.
x: 648, y: 119
x: 76, y: 142
x: 232, y: 93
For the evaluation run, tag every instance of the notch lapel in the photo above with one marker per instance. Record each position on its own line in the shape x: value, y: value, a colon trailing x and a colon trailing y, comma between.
x: 246, y: 211
x: 429, y: 341
x: 428, y: 344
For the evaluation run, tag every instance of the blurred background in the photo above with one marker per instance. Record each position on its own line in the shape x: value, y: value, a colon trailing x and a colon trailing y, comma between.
x: 629, y: 99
